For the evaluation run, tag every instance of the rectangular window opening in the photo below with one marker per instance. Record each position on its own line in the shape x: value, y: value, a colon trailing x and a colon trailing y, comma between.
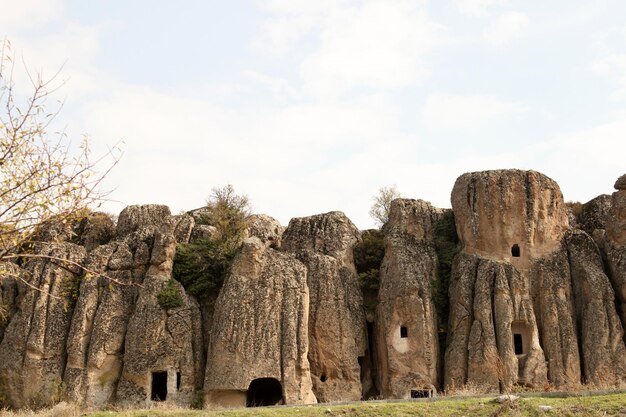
x: 517, y: 343
x: 159, y: 386
x: 404, y: 332
x: 178, y: 381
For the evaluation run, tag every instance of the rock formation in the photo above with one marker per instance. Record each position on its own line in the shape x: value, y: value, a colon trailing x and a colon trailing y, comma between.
x: 520, y: 301
x: 33, y: 349
x: 259, y: 345
x: 406, y: 323
x: 615, y: 246
x: 96, y: 317
x: 337, y: 337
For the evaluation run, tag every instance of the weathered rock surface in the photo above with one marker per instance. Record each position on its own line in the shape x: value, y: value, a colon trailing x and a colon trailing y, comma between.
x: 620, y: 183
x: 120, y: 334
x: 600, y: 330
x: 407, y: 344
x: 554, y: 304
x: 95, y: 230
x: 533, y: 300
x: 336, y: 325
x: 10, y: 275
x: 489, y: 302
x: 265, y: 228
x: 33, y: 348
x: 615, y: 247
x: 260, y: 328
x: 136, y: 217
x: 548, y: 297
x: 495, y: 210
x: 596, y: 214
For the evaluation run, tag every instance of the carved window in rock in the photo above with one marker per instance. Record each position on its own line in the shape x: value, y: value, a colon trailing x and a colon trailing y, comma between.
x: 515, y: 251
x: 518, y: 344
x: 159, y: 386
x: 521, y: 333
x: 404, y: 332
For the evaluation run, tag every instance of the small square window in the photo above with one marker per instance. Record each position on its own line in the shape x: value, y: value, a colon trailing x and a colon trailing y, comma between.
x: 404, y: 332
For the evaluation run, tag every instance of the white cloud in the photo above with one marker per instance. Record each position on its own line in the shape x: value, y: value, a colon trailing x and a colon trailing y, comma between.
x: 18, y: 15
x: 360, y: 43
x: 281, y: 34
x: 377, y: 44
x: 506, y: 27
x: 611, y: 63
x: 477, y: 7
x: 454, y: 112
x: 291, y: 161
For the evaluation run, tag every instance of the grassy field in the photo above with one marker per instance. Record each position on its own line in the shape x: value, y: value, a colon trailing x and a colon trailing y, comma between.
x: 602, y: 405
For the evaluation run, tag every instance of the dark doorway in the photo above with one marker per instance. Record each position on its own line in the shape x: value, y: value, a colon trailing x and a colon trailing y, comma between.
x: 263, y: 392
x: 159, y: 386
x: 404, y: 332
x: 178, y: 377
x: 420, y: 393
x: 517, y: 343
x: 515, y: 252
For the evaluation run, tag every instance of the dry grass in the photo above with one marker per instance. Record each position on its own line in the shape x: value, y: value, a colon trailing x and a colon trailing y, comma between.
x: 612, y: 405
x: 62, y: 409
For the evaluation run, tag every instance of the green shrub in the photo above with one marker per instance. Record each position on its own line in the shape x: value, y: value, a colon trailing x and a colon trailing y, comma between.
x: 368, y: 256
x: 70, y: 288
x: 170, y: 297
x: 197, y: 400
x: 202, y: 266
x: 446, y: 246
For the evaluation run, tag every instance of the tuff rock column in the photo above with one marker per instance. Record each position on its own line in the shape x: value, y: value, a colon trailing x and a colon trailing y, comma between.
x: 336, y: 325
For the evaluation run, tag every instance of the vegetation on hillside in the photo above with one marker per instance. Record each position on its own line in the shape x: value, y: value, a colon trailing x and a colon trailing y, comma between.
x: 368, y: 257
x: 170, y: 296
x: 446, y: 246
x: 201, y: 266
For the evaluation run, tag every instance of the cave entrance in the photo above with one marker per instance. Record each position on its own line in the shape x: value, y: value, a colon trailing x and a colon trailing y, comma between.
x: 421, y: 393
x: 159, y: 386
x: 515, y: 251
x: 263, y: 392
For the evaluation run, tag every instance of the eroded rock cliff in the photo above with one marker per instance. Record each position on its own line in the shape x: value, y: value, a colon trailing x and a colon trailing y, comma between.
x: 260, y: 332
x: 336, y: 326
x: 95, y: 316
x: 407, y: 338
x: 521, y: 306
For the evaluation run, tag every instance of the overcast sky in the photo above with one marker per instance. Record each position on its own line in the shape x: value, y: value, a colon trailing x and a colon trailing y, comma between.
x: 309, y: 106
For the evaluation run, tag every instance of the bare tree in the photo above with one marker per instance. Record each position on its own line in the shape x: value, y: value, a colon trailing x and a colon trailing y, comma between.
x: 382, y: 203
x: 228, y: 212
x: 44, y: 177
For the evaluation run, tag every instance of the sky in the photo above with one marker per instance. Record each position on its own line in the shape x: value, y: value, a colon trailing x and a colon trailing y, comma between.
x: 309, y: 106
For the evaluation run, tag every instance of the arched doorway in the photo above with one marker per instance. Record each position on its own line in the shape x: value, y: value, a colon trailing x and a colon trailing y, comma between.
x: 263, y: 392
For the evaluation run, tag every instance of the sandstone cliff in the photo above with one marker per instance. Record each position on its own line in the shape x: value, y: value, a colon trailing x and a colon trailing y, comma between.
x: 406, y: 338
x: 525, y: 292
x: 260, y: 331
x: 532, y: 300
x: 336, y: 326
